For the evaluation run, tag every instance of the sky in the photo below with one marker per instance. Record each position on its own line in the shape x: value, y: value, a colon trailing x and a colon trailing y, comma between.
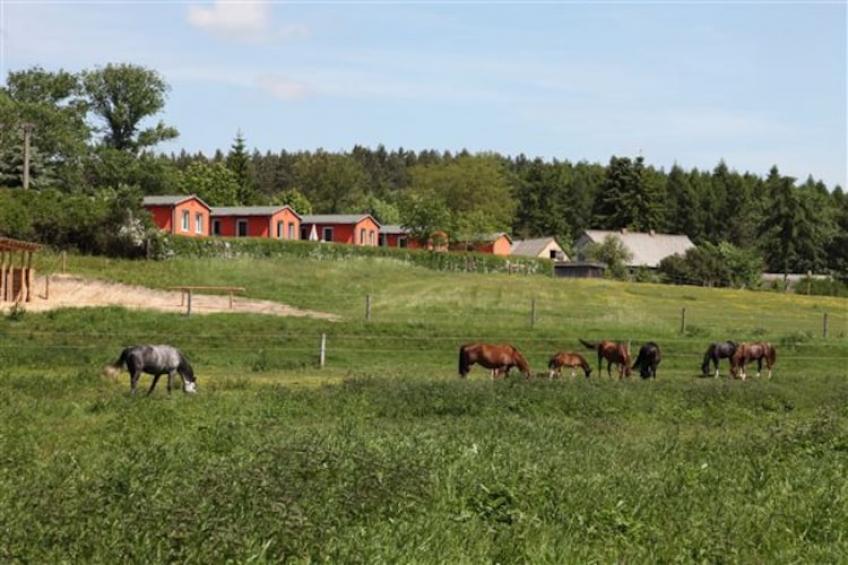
x: 692, y: 83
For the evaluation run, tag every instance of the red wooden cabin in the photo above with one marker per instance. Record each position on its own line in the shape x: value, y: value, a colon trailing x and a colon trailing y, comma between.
x: 183, y: 214
x: 275, y: 222
x: 352, y: 229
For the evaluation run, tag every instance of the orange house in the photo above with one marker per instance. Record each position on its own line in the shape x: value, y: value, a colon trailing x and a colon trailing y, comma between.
x: 184, y: 214
x: 398, y: 236
x: 275, y: 222
x: 352, y: 229
x: 495, y: 243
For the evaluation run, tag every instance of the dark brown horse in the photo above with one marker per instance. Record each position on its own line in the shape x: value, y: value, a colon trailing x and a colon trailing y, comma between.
x: 499, y: 358
x: 614, y: 353
x: 567, y: 359
x: 758, y: 351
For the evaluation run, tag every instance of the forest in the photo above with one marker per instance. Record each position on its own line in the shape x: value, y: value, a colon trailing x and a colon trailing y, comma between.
x: 94, y: 138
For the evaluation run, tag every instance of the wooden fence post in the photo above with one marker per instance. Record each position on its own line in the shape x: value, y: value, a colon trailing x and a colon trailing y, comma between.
x: 188, y: 304
x: 46, y: 287
x: 322, y: 353
x: 824, y: 325
x: 683, y: 320
x: 64, y: 261
x: 532, y: 313
x: 367, y: 307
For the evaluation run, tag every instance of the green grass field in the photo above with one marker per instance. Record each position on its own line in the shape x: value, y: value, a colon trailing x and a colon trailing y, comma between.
x: 385, y: 456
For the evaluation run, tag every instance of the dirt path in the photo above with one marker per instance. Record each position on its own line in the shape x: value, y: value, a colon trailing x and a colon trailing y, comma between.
x: 70, y: 291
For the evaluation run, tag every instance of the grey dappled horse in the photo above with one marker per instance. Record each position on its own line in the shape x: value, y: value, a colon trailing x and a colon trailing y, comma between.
x: 156, y: 360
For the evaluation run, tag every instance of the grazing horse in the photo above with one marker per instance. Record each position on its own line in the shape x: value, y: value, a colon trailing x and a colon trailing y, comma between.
x: 648, y: 360
x: 567, y: 359
x: 757, y: 351
x: 155, y: 360
x: 499, y: 358
x: 716, y: 352
x: 614, y: 353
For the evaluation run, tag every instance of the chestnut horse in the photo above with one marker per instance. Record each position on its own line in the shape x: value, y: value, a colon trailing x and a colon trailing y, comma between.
x: 758, y: 351
x: 614, y: 353
x: 499, y: 358
x: 567, y: 359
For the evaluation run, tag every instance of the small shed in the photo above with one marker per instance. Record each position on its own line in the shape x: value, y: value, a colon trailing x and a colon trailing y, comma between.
x: 493, y: 243
x: 542, y: 248
x: 276, y: 222
x: 183, y: 214
x: 393, y: 235
x: 579, y: 270
x: 16, y: 282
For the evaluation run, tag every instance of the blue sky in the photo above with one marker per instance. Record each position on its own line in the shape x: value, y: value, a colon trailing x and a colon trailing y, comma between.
x: 754, y: 84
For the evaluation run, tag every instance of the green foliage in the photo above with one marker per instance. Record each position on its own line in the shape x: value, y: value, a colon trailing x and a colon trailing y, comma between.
x: 385, y: 212
x: 630, y: 196
x: 472, y: 190
x: 714, y: 265
x: 122, y: 96
x: 294, y: 199
x: 613, y: 253
x: 238, y: 161
x: 333, y: 183
x: 214, y: 183
x: 424, y: 215
x: 822, y: 287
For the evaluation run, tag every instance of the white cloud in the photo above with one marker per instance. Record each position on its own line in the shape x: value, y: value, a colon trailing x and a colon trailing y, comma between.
x: 283, y: 88
x: 245, y: 21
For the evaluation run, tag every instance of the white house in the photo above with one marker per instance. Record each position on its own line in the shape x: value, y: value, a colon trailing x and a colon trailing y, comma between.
x: 543, y: 247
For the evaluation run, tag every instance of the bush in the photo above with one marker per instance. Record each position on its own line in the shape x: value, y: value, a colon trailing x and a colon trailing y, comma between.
x: 714, y: 265
x: 257, y: 247
x: 821, y: 287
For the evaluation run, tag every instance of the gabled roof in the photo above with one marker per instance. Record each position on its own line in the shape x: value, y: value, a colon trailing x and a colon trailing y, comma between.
x: 250, y: 210
x: 393, y: 229
x: 170, y: 200
x: 532, y: 247
x: 648, y: 248
x: 337, y: 218
x: 492, y: 236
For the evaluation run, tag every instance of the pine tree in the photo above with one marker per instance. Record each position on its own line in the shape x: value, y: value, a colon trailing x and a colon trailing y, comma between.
x: 685, y: 217
x: 630, y: 196
x: 238, y: 162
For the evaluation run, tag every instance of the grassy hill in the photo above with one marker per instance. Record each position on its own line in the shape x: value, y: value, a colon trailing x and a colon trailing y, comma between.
x: 384, y: 455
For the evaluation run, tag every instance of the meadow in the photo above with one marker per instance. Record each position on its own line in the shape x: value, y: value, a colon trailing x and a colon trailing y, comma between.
x: 384, y: 455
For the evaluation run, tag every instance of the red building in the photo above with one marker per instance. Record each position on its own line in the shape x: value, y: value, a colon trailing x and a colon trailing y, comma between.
x: 398, y: 236
x: 352, y: 229
x: 275, y: 222
x: 495, y: 243
x: 184, y: 214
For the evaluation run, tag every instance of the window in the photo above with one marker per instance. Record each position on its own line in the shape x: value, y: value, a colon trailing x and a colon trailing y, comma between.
x: 304, y: 232
x: 362, y: 236
x: 198, y: 223
x: 280, y: 230
x: 291, y: 231
x: 383, y: 240
x: 241, y: 228
x: 553, y: 254
x: 186, y: 216
x: 402, y: 241
x: 216, y: 227
x: 371, y: 237
x: 327, y: 234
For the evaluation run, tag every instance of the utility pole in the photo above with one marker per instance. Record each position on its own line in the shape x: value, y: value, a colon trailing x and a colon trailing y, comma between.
x: 27, y: 135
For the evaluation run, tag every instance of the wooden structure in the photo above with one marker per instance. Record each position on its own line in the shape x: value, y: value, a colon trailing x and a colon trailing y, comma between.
x: 187, y: 292
x: 16, y: 282
x: 579, y: 270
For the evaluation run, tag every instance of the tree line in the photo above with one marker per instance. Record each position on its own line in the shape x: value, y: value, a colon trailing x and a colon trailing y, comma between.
x: 97, y: 131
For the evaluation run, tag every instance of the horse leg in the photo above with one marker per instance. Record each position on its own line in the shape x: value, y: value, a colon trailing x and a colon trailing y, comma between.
x: 171, y: 381
x: 573, y: 374
x: 153, y: 384
x: 134, y: 375
x: 609, y: 369
x: 716, y: 361
x: 759, y: 366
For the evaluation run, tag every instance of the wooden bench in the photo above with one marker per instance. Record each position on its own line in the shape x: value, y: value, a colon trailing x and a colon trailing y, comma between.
x: 186, y: 291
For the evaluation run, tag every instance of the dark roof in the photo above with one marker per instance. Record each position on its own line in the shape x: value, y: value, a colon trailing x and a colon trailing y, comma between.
x: 249, y: 210
x: 170, y: 200
x: 393, y: 229
x: 336, y: 218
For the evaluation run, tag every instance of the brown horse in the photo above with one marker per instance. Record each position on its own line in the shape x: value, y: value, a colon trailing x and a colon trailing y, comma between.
x: 757, y: 351
x: 614, y: 353
x: 499, y: 358
x: 567, y: 359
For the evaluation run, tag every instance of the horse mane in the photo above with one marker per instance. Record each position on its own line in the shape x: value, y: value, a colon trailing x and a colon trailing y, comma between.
x: 185, y: 369
x: 588, y: 344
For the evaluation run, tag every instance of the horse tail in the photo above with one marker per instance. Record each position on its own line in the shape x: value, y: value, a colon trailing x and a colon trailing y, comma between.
x: 589, y: 344
x: 772, y: 354
x: 464, y: 365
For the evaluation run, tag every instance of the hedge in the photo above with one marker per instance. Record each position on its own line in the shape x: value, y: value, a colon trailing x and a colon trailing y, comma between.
x: 211, y: 247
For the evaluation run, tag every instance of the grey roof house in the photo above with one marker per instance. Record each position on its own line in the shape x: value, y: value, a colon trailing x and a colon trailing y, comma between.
x: 542, y: 247
x: 647, y: 248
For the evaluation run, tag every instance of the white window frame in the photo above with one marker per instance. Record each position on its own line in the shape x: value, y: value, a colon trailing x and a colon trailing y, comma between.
x: 280, y: 228
x: 186, y: 220
x: 198, y: 222
x: 324, y: 233
x: 292, y: 231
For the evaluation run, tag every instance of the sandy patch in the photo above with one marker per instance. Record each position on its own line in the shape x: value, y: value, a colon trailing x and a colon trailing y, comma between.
x: 71, y: 291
